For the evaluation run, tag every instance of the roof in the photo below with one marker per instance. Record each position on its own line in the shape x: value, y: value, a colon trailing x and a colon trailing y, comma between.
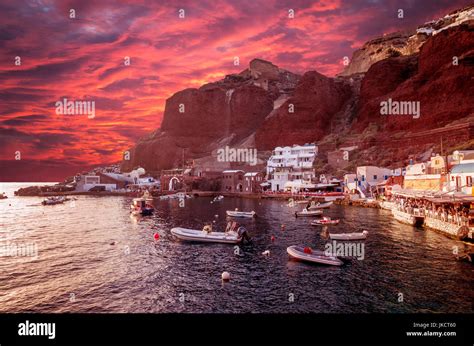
x: 463, y: 168
x: 250, y: 174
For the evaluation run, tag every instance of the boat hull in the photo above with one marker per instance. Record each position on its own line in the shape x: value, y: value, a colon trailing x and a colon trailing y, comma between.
x: 311, y: 213
x: 325, y: 205
x: 240, y: 214
x: 407, y: 218
x: 324, y: 223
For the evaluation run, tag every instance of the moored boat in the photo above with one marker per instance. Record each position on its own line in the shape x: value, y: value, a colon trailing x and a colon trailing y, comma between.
x: 3, y: 196
x: 314, y: 256
x: 140, y: 206
x: 349, y: 236
x: 147, y: 196
x: 306, y: 212
x: 217, y: 199
x: 318, y: 205
x: 325, y: 221
x: 54, y: 200
x: 237, y: 213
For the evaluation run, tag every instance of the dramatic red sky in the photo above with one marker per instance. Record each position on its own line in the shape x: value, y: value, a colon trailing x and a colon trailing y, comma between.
x: 83, y: 59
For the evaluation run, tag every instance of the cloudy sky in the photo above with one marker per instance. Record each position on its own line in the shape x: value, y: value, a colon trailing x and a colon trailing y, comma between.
x: 83, y: 58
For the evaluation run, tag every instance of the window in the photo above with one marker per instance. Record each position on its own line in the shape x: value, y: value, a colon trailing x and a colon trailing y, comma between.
x: 469, y: 181
x: 375, y: 177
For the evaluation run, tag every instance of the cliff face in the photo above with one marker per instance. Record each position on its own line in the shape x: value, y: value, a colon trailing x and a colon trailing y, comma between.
x: 403, y: 43
x: 264, y: 106
x: 441, y: 87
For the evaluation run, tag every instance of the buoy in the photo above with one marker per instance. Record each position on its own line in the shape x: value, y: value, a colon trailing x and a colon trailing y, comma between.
x: 308, y: 250
x: 216, y: 216
x: 225, y: 276
x: 273, y: 238
x: 156, y: 236
x: 282, y: 226
x: 266, y: 253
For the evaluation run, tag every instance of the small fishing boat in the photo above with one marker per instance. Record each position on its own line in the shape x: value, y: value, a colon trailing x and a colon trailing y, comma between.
x: 325, y: 221
x: 314, y: 256
x: 386, y: 205
x: 217, y: 199
x: 179, y: 195
x: 306, y: 212
x: 349, y: 236
x: 54, y: 200
x: 140, y: 206
x: 147, y: 196
x: 318, y: 205
x: 187, y: 234
x: 236, y: 213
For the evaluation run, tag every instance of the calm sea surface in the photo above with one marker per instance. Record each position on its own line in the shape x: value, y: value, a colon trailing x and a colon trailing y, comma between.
x: 93, y: 256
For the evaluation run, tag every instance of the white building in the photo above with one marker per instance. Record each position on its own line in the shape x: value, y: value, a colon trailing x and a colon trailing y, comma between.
x: 291, y: 164
x: 134, y: 178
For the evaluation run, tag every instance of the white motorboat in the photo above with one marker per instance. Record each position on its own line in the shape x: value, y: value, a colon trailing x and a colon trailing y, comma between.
x: 314, y: 256
x: 236, y: 213
x: 217, y: 199
x: 147, y: 196
x: 187, y: 234
x: 386, y: 205
x: 349, y: 236
x: 306, y: 212
x: 325, y: 221
x: 410, y: 219
x: 318, y: 205
x: 179, y: 195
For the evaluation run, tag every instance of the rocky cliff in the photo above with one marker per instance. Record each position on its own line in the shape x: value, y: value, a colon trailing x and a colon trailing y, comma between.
x: 265, y: 106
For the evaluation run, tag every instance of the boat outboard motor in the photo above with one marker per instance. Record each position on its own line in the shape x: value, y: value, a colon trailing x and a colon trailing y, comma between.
x: 242, y: 233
